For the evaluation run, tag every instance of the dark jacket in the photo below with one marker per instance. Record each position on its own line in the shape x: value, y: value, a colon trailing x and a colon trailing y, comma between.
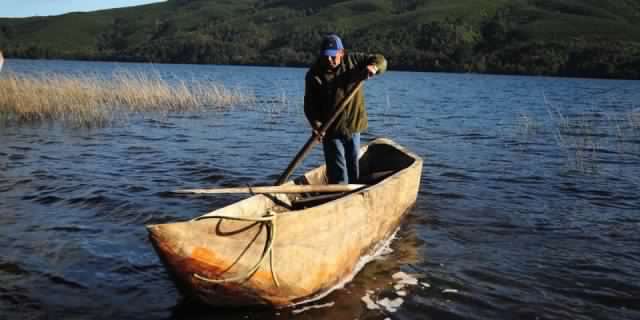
x: 324, y: 90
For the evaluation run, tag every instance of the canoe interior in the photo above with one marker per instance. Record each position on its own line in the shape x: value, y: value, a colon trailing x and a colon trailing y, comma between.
x: 377, y: 161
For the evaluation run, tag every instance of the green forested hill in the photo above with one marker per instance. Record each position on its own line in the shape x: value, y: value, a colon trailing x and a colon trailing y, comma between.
x: 556, y: 37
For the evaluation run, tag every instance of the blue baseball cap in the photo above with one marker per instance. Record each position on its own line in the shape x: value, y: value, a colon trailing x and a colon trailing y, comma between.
x: 331, y: 44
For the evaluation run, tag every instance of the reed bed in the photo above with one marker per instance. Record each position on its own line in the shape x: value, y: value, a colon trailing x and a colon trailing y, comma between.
x: 634, y: 118
x: 91, y: 100
x: 591, y: 137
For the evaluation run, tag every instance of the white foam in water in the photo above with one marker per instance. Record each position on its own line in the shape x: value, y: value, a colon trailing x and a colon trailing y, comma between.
x: 449, y: 291
x: 371, y: 305
x: 404, y: 278
x: 391, y: 305
x: 384, y: 251
x: 401, y: 281
x: 315, y: 306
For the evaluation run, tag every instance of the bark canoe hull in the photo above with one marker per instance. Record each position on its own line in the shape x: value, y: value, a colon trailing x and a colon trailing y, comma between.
x: 313, y: 250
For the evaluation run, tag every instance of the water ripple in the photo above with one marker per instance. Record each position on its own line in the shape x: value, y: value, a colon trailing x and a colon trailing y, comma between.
x: 518, y: 215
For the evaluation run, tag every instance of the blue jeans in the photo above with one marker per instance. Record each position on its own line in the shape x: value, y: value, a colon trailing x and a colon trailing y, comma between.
x: 341, y: 157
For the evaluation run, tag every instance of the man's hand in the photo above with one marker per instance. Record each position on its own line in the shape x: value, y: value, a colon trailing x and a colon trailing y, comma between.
x: 372, y: 70
x: 316, y: 126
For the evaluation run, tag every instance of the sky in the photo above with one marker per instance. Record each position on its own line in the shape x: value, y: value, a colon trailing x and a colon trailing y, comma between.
x: 28, y: 8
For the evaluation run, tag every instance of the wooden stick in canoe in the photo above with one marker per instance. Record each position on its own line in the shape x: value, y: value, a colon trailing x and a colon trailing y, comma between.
x: 314, y: 137
x: 322, y: 188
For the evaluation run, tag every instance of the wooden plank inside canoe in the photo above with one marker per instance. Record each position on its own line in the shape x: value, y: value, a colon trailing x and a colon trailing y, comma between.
x: 327, y: 188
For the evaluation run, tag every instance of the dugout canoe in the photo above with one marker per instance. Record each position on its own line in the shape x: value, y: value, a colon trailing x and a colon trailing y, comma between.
x: 280, y: 249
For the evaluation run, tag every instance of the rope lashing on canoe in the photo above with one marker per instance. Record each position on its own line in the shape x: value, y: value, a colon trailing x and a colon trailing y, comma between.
x: 269, y: 220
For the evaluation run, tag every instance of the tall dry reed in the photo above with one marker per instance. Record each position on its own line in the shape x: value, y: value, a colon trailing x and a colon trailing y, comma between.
x: 590, y: 137
x: 91, y: 100
x: 634, y: 118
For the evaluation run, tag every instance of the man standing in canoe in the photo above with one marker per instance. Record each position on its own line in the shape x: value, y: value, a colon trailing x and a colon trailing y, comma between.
x: 329, y: 80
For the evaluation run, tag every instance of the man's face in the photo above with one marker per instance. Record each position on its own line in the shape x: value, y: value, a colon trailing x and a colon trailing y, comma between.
x: 332, y: 62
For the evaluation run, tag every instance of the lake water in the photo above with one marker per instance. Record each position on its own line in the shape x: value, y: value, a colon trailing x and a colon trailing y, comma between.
x: 529, y: 205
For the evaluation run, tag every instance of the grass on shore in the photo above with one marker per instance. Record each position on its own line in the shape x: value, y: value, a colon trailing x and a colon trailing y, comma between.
x: 94, y: 101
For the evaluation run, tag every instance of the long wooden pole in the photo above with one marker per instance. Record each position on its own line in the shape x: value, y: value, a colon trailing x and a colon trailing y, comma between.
x: 324, y: 188
x: 314, y: 137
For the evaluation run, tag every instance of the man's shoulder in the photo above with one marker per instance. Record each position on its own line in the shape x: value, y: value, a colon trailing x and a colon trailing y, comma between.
x: 313, y: 69
x: 310, y: 74
x: 350, y: 56
x: 359, y: 57
x: 313, y: 76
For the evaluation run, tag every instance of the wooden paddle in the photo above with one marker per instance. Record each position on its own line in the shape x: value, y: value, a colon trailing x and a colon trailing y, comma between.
x: 295, y: 188
x: 298, y: 158
x: 314, y: 137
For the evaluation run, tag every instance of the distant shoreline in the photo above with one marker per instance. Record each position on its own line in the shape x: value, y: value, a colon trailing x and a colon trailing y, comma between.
x: 583, y: 38
x: 304, y: 66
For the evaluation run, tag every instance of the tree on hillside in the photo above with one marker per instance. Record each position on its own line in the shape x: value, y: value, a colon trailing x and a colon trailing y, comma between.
x: 116, y: 37
x: 6, y: 32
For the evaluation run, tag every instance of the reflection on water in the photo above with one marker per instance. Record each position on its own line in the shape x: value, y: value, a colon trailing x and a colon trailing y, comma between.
x: 527, y: 209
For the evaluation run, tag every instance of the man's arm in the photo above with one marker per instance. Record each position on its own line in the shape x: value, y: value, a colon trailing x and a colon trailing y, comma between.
x: 370, y: 64
x: 311, y: 107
